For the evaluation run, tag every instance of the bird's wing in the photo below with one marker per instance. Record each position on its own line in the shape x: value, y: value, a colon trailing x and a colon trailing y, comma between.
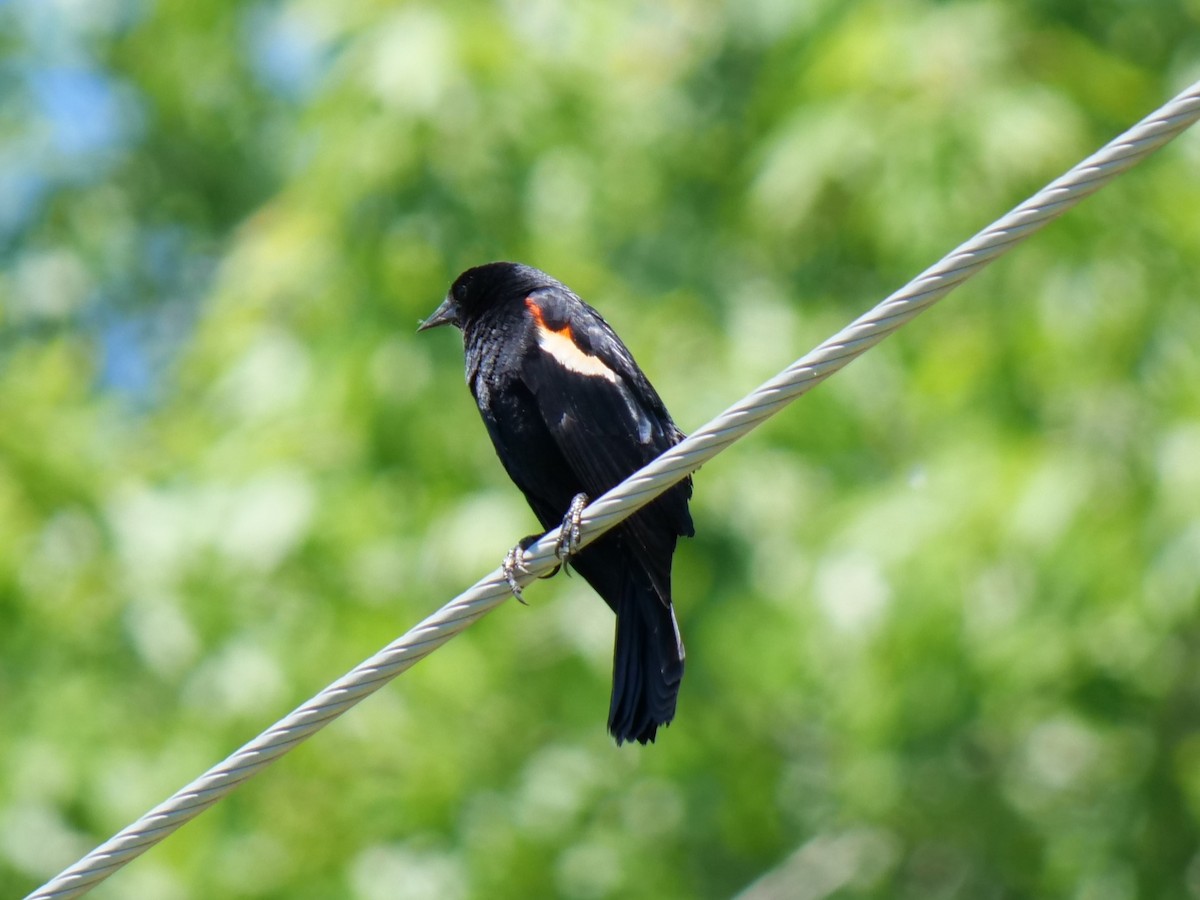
x: 606, y: 419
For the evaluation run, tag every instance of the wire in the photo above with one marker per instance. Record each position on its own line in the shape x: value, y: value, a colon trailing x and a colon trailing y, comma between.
x: 633, y: 493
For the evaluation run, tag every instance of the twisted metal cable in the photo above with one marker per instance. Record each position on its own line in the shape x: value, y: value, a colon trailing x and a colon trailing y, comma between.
x: 633, y: 493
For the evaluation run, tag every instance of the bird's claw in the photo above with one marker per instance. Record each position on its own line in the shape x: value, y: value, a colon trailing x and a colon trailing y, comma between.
x: 564, y: 548
x: 567, y: 544
x: 514, y: 562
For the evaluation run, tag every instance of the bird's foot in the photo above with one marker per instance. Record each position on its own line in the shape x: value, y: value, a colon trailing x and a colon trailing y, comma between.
x: 514, y: 562
x: 565, y: 547
x: 568, y: 536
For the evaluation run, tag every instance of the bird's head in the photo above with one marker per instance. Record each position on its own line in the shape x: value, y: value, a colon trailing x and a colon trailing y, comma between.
x: 483, y: 287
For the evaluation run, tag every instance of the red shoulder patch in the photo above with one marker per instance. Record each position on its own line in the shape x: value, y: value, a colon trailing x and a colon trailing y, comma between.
x: 560, y: 344
x: 540, y: 317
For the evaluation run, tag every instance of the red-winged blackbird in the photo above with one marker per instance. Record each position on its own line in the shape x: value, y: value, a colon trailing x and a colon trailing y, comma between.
x: 570, y: 413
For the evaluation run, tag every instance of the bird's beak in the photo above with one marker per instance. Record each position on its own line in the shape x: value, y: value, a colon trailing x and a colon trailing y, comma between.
x: 446, y: 314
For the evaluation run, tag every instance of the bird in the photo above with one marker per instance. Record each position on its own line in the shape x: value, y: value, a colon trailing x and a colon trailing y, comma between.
x: 571, y: 415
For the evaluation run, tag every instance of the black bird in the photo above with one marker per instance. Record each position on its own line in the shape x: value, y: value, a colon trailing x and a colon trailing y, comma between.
x: 571, y: 414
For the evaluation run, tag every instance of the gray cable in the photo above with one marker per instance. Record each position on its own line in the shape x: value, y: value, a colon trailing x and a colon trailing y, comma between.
x: 633, y: 493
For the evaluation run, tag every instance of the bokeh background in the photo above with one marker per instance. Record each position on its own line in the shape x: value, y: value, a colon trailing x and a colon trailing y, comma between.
x: 943, y: 616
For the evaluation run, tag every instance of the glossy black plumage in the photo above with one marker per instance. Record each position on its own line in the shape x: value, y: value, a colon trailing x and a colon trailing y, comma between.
x: 570, y: 412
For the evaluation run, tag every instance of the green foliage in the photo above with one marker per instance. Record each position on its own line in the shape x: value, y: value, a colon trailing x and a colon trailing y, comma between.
x: 942, y: 616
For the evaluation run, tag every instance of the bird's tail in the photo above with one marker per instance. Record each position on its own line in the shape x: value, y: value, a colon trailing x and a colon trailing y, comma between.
x: 647, y: 663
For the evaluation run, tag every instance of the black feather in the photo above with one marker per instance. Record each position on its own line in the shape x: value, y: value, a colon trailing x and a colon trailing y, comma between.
x: 570, y: 412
